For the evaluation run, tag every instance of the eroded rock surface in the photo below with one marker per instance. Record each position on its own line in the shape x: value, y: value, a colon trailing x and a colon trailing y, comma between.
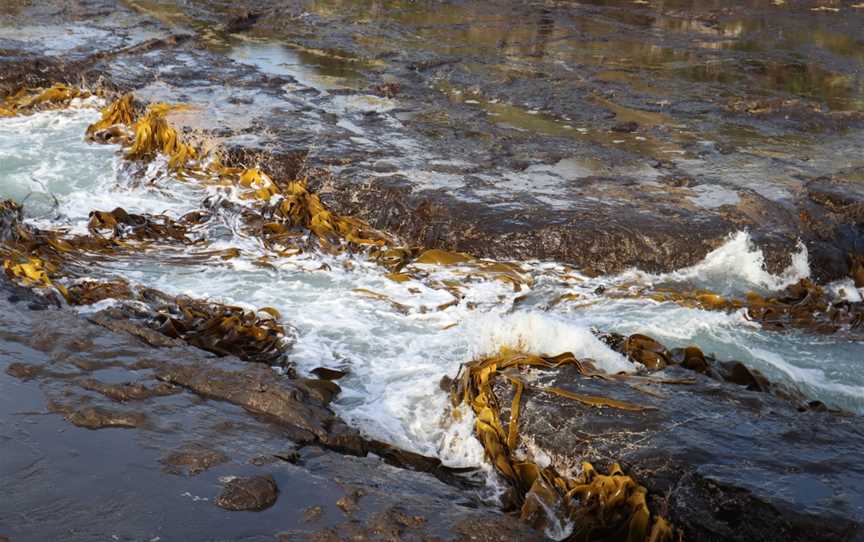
x: 253, y: 493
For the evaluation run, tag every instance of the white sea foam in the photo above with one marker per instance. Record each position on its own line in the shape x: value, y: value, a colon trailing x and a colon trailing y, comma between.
x: 737, y: 264
x: 540, y: 333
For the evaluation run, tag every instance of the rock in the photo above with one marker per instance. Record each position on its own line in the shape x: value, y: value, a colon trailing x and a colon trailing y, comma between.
x: 252, y: 493
x: 725, y: 462
x: 194, y: 460
x: 242, y: 21
x: 128, y: 391
x: 348, y: 502
x: 116, y: 321
x: 857, y: 270
x: 258, y: 389
x: 24, y: 371
x: 626, y: 127
x: 328, y: 374
x: 313, y: 513
x: 98, y: 417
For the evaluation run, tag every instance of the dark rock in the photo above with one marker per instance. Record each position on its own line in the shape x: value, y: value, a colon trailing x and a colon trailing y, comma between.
x: 24, y: 371
x: 725, y: 463
x: 348, y: 502
x: 328, y: 374
x: 626, y: 127
x: 128, y: 391
x: 242, y: 21
x: 115, y: 320
x: 259, y: 390
x: 94, y: 417
x: 193, y: 460
x: 253, y: 493
x: 312, y: 514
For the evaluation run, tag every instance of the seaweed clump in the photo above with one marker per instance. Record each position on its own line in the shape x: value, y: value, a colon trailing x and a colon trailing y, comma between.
x: 609, y: 507
x: 290, y: 203
x: 803, y: 305
x: 26, y: 101
x: 254, y: 336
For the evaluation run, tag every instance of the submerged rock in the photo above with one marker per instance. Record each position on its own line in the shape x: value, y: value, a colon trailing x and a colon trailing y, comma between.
x: 253, y: 493
x: 192, y: 460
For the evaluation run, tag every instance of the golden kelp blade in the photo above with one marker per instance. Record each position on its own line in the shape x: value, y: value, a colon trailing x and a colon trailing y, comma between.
x: 121, y: 111
x: 153, y: 135
x: 32, y: 272
x: 55, y: 97
x: 601, y: 506
x: 297, y: 206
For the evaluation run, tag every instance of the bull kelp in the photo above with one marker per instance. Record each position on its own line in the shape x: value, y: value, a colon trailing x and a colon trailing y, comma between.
x: 600, y: 506
x: 291, y: 203
x: 27, y: 101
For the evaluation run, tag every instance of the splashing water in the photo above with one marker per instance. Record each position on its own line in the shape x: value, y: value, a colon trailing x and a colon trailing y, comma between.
x: 395, y: 361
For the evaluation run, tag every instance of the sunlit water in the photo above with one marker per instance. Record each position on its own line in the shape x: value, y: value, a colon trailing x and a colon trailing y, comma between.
x: 395, y: 360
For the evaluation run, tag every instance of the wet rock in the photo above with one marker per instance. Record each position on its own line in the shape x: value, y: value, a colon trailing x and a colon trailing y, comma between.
x: 738, y: 373
x: 857, y: 270
x: 312, y: 514
x: 259, y: 390
x: 128, y: 391
x: 63, y: 460
x: 725, y: 462
x: 192, y: 460
x: 349, y: 502
x: 242, y: 21
x: 328, y: 374
x: 626, y: 127
x: 398, y: 524
x: 117, y: 321
x: 95, y: 417
x: 253, y: 494
x: 24, y: 371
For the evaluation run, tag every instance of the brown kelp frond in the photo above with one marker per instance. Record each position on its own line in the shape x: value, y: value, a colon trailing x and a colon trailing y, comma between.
x: 122, y: 225
x: 291, y: 203
x: 224, y: 330
x: 464, y: 266
x: 154, y: 135
x: 256, y: 336
x: 299, y: 207
x: 36, y: 258
x: 25, y: 101
x: 120, y: 112
x: 601, y: 506
x: 803, y: 305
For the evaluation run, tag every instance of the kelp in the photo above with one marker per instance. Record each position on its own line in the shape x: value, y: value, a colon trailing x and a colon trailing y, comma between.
x: 803, y: 305
x: 122, y: 225
x: 225, y: 330
x: 292, y: 204
x: 119, y: 112
x: 654, y: 356
x: 255, y: 336
x: 601, y: 506
x: 154, y: 135
x: 26, y: 101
